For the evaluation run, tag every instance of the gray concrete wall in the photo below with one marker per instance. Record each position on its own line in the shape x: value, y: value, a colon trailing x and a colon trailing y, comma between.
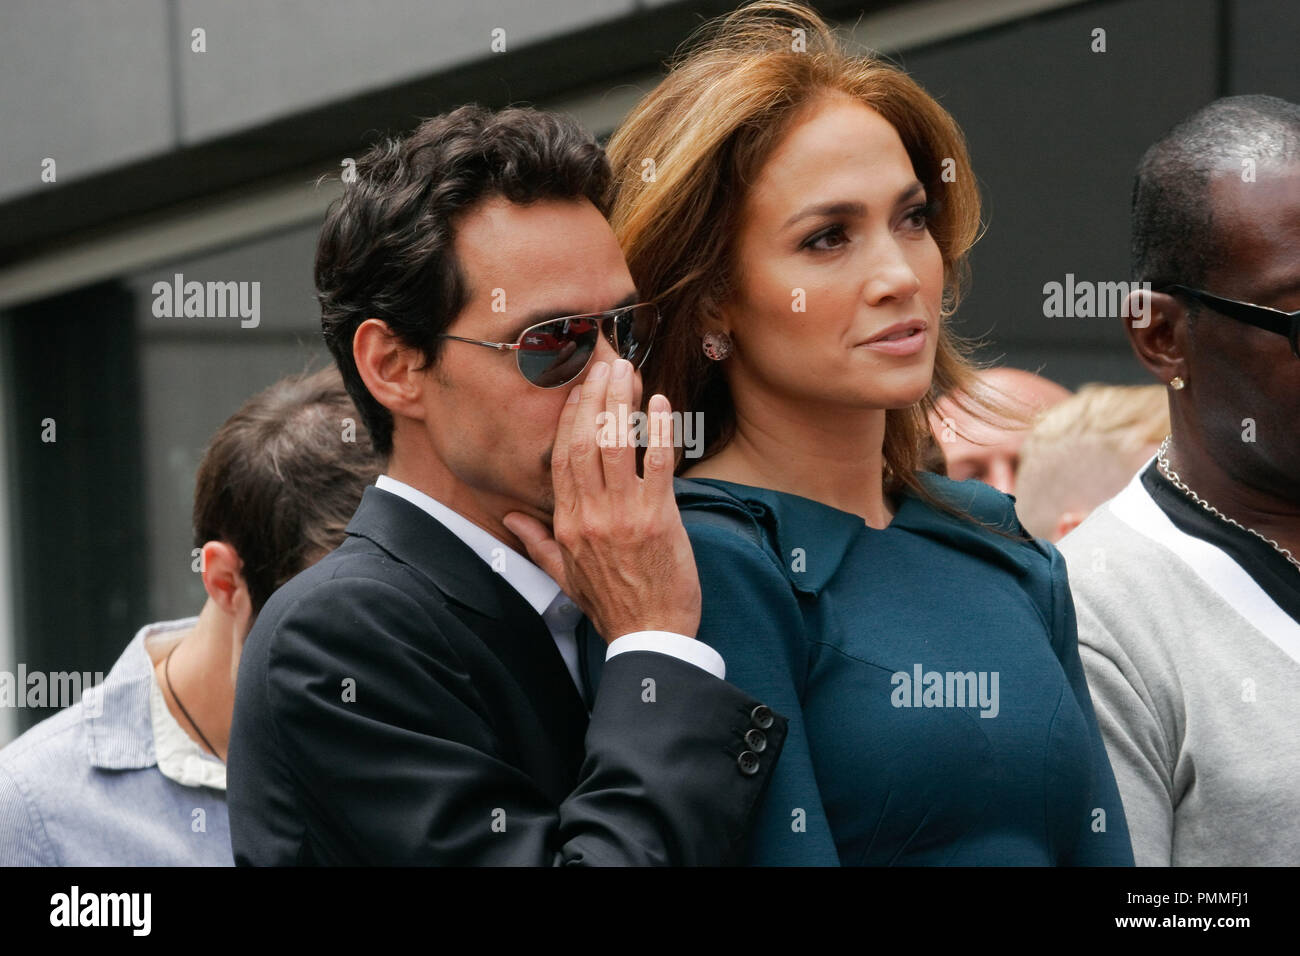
x: 1055, y: 132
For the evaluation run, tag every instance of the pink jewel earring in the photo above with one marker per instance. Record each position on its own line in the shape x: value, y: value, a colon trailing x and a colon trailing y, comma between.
x: 717, y: 345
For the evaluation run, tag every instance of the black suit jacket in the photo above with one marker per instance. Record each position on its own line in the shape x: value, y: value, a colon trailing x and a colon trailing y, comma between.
x: 400, y: 703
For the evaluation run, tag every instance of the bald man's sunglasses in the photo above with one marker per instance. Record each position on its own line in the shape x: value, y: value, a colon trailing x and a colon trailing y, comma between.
x: 554, y: 353
x: 1260, y: 316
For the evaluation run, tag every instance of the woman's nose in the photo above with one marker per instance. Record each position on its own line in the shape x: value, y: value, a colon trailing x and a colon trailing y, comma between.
x: 891, y: 276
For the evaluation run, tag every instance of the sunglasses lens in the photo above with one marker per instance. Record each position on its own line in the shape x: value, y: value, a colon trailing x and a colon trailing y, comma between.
x: 555, y: 353
x: 634, y: 330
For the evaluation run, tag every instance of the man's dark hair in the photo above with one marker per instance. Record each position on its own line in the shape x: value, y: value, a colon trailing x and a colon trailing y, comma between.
x: 279, y: 481
x: 1173, y: 223
x: 386, y: 250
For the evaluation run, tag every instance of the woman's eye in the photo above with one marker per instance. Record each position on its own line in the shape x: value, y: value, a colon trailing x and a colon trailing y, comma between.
x: 827, y: 239
x: 919, y: 217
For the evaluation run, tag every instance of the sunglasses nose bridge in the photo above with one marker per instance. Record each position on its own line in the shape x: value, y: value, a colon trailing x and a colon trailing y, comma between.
x: 609, y: 332
x: 606, y: 349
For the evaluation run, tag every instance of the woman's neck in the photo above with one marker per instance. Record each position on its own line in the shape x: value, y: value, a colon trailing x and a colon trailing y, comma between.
x: 835, y: 459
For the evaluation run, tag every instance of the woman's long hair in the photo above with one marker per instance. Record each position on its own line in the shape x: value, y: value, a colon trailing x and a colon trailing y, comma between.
x: 685, y: 156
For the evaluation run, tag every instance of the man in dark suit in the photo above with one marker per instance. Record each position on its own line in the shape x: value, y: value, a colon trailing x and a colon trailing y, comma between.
x: 426, y: 694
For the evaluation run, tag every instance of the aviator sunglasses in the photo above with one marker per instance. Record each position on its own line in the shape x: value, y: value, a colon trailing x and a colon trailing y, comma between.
x: 555, y: 352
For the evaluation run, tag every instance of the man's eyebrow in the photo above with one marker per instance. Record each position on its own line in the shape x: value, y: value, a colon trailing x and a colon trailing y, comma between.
x: 538, y: 316
x: 849, y: 208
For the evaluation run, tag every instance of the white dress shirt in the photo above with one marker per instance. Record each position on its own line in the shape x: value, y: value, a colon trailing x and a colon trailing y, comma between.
x: 539, y: 589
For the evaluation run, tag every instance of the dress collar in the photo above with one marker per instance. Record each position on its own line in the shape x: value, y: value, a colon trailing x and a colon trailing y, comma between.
x: 825, y: 534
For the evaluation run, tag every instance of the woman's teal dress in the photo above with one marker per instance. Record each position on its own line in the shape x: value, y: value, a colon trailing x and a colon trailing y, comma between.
x: 930, y: 670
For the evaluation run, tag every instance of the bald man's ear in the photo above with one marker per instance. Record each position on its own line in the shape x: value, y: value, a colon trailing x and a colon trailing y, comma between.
x: 1066, y: 523
x: 1156, y: 325
x: 393, y: 373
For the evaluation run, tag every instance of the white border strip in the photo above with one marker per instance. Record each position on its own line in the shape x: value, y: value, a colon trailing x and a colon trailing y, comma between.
x: 1224, y: 576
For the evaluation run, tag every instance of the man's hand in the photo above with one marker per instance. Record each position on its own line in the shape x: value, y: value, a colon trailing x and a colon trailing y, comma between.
x: 617, y: 545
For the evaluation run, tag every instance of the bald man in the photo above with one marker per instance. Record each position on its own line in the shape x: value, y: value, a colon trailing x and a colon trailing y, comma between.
x: 987, y: 451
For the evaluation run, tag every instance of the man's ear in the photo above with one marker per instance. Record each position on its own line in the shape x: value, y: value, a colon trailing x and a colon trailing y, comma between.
x: 392, y: 372
x: 1067, y: 522
x: 1156, y: 325
x: 223, y: 579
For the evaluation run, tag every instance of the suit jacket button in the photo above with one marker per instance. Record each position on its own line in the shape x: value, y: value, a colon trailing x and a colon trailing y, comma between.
x: 756, y: 741
x: 761, y: 716
x: 748, y: 763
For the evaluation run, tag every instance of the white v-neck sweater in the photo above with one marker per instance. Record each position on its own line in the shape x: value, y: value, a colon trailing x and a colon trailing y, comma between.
x: 1195, y: 677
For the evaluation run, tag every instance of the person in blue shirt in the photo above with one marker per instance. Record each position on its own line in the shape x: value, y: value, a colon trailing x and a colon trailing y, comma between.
x: 804, y: 231
x: 134, y: 773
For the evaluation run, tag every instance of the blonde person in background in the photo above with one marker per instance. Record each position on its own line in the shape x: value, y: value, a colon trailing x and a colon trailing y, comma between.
x: 1084, y: 451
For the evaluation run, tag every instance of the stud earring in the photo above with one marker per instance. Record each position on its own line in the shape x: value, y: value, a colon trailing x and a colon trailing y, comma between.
x: 1177, y: 383
x: 717, y: 345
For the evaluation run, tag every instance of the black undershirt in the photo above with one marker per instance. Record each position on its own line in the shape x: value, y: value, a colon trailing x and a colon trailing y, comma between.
x: 1278, y: 577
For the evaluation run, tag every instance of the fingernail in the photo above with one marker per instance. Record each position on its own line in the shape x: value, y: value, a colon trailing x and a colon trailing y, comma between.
x: 573, y: 395
x: 600, y: 371
x: 621, y: 368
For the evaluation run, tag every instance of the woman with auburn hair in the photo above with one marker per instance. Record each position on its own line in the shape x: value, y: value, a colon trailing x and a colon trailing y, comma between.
x: 802, y: 217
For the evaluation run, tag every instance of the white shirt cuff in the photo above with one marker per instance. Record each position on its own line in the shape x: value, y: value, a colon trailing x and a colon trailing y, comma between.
x: 675, y: 645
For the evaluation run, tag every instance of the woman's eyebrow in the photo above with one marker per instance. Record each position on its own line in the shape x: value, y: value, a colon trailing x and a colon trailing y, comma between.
x: 850, y: 207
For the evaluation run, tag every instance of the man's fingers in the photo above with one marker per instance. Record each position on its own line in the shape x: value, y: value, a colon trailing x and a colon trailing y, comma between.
x: 618, y: 454
x: 541, y: 547
x: 659, y: 455
x: 561, y: 469
x: 584, y: 447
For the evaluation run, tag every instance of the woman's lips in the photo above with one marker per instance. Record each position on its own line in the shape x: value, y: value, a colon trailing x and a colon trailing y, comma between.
x: 906, y: 345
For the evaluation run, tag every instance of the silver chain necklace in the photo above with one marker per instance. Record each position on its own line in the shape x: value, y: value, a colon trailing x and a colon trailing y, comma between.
x: 1162, y: 461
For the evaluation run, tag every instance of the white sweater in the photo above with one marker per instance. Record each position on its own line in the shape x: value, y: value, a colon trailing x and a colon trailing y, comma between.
x: 1195, y: 676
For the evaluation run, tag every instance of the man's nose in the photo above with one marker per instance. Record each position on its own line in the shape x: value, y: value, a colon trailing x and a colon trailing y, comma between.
x: 604, y: 351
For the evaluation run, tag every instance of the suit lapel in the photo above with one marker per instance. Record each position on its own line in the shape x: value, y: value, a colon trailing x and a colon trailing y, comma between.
x: 500, y: 617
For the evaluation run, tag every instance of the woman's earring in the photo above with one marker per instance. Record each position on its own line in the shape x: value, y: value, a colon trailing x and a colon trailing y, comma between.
x: 717, y: 345
x: 1177, y: 383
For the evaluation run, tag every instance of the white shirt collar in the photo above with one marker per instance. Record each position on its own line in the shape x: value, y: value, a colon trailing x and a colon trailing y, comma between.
x: 535, y: 586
